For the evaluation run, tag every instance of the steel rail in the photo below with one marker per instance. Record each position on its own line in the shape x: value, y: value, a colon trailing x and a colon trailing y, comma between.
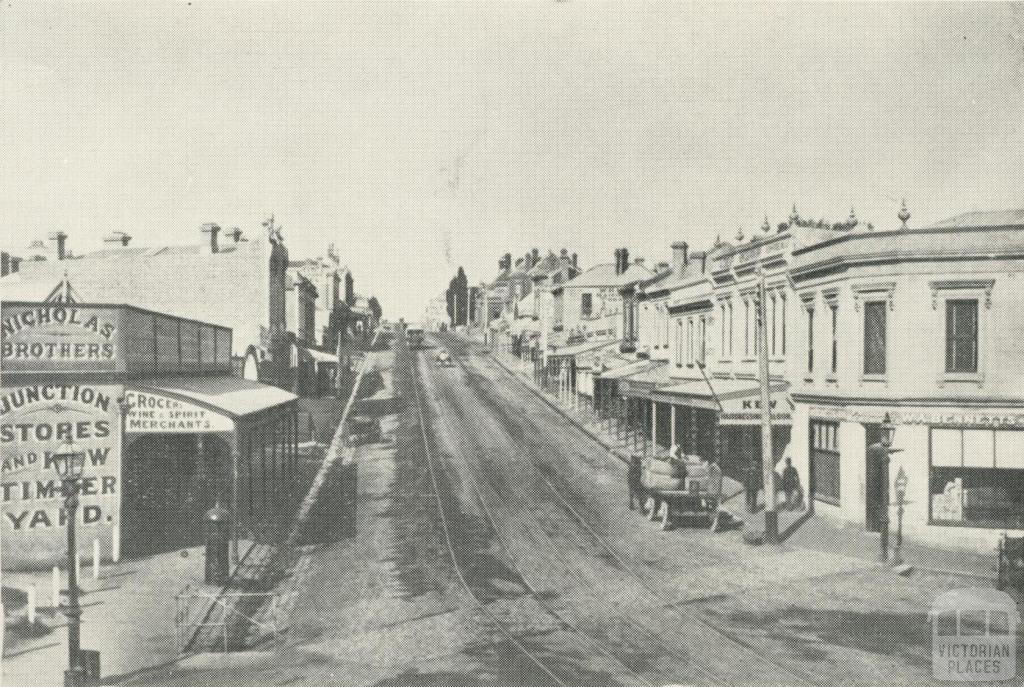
x: 745, y: 646
x: 642, y: 633
x: 446, y: 529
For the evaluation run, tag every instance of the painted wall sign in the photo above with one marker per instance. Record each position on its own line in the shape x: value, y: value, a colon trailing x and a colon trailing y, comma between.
x: 992, y: 420
x: 34, y: 422
x: 155, y: 413
x: 50, y: 337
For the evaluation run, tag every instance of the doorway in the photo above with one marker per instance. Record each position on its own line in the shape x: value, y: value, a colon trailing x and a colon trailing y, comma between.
x: 876, y: 477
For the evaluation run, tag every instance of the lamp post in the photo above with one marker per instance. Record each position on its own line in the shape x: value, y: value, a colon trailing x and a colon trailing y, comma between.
x: 69, y: 463
x: 900, y: 485
x: 888, y: 430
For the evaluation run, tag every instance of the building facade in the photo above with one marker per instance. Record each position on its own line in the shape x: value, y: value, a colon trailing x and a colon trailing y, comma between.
x: 922, y: 324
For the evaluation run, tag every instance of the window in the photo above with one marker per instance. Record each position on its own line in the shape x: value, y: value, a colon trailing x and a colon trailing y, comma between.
x: 824, y: 478
x: 587, y: 305
x: 746, y: 327
x: 703, y: 339
x: 730, y: 328
x: 874, y: 338
x: 665, y: 317
x: 679, y: 343
x: 834, y: 307
x: 689, y: 341
x: 775, y: 313
x: 810, y: 339
x: 962, y: 335
x: 976, y: 477
x: 722, y: 320
x: 782, y: 322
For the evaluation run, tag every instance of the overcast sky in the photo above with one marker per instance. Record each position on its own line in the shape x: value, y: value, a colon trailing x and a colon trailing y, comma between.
x: 418, y: 137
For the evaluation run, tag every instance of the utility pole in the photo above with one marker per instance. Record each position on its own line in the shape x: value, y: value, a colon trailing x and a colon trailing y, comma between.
x: 771, y: 517
x: 487, y: 316
x: 337, y: 378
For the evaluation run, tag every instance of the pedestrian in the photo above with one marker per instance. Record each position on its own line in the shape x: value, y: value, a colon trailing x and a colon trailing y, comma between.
x: 791, y: 485
x: 634, y: 481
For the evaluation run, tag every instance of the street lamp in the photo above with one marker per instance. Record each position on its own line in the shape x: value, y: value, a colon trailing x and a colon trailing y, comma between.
x: 888, y: 431
x: 69, y: 462
x: 900, y: 485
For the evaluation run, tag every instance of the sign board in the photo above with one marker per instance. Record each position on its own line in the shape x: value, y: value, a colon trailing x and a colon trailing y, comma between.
x: 34, y: 422
x: 57, y: 337
x: 156, y: 413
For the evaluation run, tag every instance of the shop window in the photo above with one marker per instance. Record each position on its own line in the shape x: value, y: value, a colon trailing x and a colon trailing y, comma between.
x: 962, y: 335
x: 874, y: 338
x: 824, y: 445
x: 730, y: 328
x: 587, y: 305
x: 977, y: 477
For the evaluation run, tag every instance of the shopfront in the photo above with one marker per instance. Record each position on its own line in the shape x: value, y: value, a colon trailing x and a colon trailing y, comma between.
x: 964, y: 469
x: 149, y: 401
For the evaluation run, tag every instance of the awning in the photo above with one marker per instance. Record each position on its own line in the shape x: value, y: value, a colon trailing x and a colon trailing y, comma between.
x: 318, y: 356
x: 645, y: 381
x: 630, y: 369
x: 740, y: 399
x: 233, y: 397
x: 584, y: 347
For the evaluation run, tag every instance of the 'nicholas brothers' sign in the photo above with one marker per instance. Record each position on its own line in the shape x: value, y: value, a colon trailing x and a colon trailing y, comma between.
x: 56, y: 337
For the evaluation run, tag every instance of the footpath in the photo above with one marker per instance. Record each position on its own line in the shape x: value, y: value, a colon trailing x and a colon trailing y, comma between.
x: 799, y: 529
x: 129, y: 612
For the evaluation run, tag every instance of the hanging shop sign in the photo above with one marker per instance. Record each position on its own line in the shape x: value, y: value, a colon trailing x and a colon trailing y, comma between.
x: 155, y: 413
x: 52, y: 337
x: 35, y: 421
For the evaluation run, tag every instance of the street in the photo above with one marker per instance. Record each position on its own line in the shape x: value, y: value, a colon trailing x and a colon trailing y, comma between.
x: 538, y: 574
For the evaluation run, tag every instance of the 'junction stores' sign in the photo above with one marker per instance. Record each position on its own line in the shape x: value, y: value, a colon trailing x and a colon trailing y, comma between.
x: 34, y: 422
x: 157, y: 413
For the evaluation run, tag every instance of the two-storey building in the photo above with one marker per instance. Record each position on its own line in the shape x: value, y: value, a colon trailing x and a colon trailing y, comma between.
x: 922, y: 324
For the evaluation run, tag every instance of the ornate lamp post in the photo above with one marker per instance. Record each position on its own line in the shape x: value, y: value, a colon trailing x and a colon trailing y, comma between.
x: 69, y: 463
x: 900, y: 486
x: 888, y: 431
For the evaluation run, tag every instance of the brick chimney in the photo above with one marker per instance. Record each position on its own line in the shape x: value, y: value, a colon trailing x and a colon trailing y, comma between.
x: 680, y: 256
x: 118, y: 237
x: 564, y: 257
x: 535, y: 253
x: 61, y: 238
x: 621, y: 260
x: 213, y: 230
x: 236, y: 235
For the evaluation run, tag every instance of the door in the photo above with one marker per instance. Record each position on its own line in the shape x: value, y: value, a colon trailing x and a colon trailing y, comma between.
x: 875, y: 480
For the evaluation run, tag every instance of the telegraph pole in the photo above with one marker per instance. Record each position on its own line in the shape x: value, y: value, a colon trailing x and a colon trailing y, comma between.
x: 771, y: 517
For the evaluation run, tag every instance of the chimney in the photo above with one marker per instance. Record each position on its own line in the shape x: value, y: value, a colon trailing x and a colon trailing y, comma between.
x: 661, y: 267
x: 211, y: 229
x: 15, y: 264
x: 575, y: 261
x: 564, y: 257
x: 536, y: 255
x: 5, y: 264
x: 61, y: 238
x: 680, y: 256
x: 236, y: 234
x: 618, y: 261
x: 118, y: 237
x: 623, y: 260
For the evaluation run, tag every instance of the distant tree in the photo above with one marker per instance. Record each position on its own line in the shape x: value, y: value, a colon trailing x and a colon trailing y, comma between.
x: 375, y: 308
x: 461, y: 298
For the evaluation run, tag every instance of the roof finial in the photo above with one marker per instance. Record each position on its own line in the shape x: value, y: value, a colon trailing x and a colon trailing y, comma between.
x: 718, y: 240
x: 904, y: 214
x: 852, y: 221
x: 739, y: 235
x: 795, y: 216
x: 766, y: 227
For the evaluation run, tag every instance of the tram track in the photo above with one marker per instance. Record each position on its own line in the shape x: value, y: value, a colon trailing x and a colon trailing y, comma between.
x: 743, y: 647
x: 446, y: 530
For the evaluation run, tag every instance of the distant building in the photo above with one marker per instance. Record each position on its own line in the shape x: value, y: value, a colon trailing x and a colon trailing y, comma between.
x: 226, y: 279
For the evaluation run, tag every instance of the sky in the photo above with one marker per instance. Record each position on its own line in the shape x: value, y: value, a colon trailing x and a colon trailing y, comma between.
x: 418, y: 137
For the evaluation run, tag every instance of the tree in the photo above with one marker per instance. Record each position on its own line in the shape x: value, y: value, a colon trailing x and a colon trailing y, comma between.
x: 457, y: 299
x: 375, y: 308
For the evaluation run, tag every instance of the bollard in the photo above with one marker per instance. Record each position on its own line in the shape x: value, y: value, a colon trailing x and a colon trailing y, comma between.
x: 115, y: 542
x: 95, y: 559
x: 56, y: 587
x: 32, y: 604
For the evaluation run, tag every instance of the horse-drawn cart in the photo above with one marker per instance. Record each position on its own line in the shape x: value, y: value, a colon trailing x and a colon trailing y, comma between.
x: 691, y: 488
